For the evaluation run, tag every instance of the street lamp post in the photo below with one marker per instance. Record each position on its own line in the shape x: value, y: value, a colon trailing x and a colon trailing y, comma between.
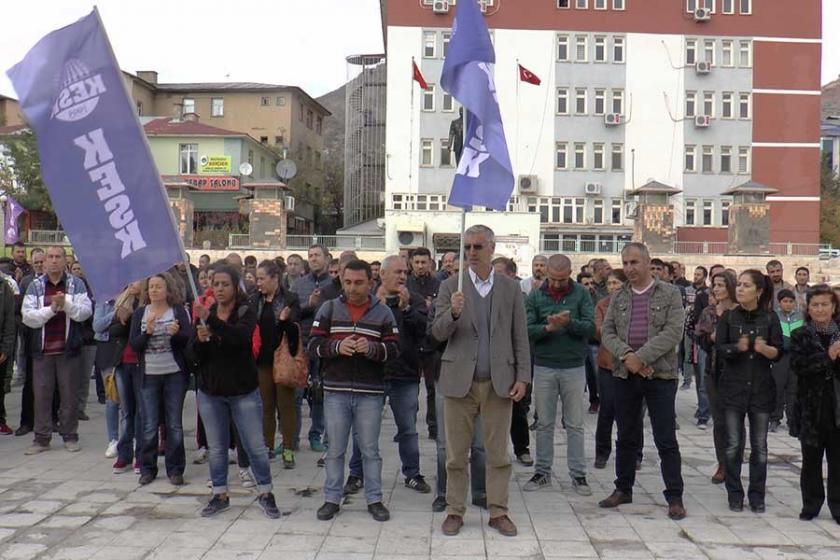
x: 3, y: 199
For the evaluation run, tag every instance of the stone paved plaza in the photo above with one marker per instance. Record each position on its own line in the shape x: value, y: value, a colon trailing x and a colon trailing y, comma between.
x: 60, y: 505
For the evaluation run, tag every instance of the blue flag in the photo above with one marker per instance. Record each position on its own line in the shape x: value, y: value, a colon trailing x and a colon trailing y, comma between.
x: 484, y: 176
x: 95, y: 161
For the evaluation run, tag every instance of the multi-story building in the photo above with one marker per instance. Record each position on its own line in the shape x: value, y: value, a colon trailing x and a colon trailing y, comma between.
x: 701, y: 95
x: 284, y: 118
x: 10, y: 114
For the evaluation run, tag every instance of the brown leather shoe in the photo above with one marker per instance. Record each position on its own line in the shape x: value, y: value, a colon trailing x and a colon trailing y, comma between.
x: 676, y: 510
x: 616, y: 499
x: 503, y: 525
x: 720, y: 475
x: 452, y: 525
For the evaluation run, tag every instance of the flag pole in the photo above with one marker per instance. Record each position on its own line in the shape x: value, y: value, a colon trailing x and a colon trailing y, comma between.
x: 516, y: 143
x: 411, y: 130
x: 463, y: 216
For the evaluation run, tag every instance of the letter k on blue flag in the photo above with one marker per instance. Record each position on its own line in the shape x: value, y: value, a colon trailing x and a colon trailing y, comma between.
x: 484, y: 176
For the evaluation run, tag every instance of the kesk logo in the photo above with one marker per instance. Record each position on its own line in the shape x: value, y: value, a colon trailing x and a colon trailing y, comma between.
x: 79, y: 93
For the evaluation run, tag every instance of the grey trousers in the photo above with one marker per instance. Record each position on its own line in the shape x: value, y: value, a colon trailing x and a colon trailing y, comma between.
x: 88, y: 357
x: 47, y: 372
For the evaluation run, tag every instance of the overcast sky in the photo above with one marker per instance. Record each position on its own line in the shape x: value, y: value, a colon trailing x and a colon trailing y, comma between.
x: 290, y: 42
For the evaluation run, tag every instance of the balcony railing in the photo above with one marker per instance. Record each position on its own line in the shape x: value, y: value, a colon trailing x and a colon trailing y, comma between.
x: 822, y: 250
x: 239, y: 240
x: 331, y: 242
x: 48, y: 237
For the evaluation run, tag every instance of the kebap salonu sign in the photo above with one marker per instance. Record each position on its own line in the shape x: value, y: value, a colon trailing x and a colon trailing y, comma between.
x: 208, y: 183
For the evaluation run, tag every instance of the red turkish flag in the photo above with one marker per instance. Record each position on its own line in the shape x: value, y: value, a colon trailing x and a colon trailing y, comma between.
x: 418, y: 77
x: 526, y: 75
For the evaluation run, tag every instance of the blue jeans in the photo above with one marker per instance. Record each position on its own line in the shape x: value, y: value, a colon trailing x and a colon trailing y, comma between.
x: 568, y: 384
x: 246, y: 413
x: 129, y: 380
x: 169, y: 389
x: 316, y: 411
x: 703, y: 410
x: 112, y: 420
x: 478, y: 478
x: 403, y: 397
x: 361, y: 413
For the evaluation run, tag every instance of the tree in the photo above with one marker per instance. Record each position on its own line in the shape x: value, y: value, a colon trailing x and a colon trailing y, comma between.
x: 324, y: 190
x: 829, y: 205
x: 21, y: 177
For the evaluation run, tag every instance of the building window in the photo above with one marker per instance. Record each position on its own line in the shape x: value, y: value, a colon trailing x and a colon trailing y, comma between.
x: 264, y: 140
x: 319, y: 125
x: 265, y: 101
x: 581, y: 4
x: 580, y: 156
x: 600, y: 49
x: 561, y: 155
x: 727, y: 99
x: 573, y: 210
x: 690, y: 104
x: 690, y: 6
x: 724, y: 212
x: 744, y: 106
x: 301, y: 111
x: 429, y: 44
x: 727, y: 6
x: 726, y: 159
x: 580, y: 101
x: 281, y: 101
x: 562, y: 101
x: 690, y: 52
x: 615, y: 212
x: 726, y: 52
x: 709, y: 104
x: 708, y: 4
x: 448, y: 104
x: 262, y: 166
x: 600, y: 4
x: 745, y: 54
x: 598, y: 157
x: 743, y: 159
x: 427, y: 152
x: 446, y: 159
x: 309, y: 155
x: 217, y: 107
x: 707, y: 163
x: 600, y: 101
x: 140, y: 108
x: 429, y: 99
x: 310, y: 120
x: 617, y: 163
x: 278, y: 140
x: 446, y: 37
x: 618, y: 50
x: 598, y: 211
x: 189, y: 159
x: 251, y: 157
x: 690, y: 159
x: 563, y: 4
x: 618, y: 4
x: 580, y: 48
x: 709, y: 51
x: 690, y: 212
x: 188, y: 106
x: 746, y: 7
x: 618, y: 101
x: 562, y: 48
x: 708, y: 212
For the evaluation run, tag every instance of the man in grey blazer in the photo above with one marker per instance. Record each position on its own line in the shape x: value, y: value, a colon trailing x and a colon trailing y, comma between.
x: 485, y: 368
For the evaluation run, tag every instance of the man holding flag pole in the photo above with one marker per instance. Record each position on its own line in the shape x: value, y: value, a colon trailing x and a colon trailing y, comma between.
x: 486, y: 365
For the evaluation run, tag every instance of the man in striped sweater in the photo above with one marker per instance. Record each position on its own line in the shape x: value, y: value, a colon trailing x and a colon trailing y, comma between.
x: 353, y: 336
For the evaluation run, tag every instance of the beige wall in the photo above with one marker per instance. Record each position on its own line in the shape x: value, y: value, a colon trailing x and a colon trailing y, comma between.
x: 10, y: 114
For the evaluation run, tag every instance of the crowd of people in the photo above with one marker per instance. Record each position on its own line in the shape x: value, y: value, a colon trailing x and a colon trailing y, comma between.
x: 257, y: 340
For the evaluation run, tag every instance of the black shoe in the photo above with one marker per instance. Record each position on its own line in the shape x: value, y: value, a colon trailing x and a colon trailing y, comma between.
x: 22, y: 431
x: 439, y: 504
x: 601, y: 462
x: 774, y: 426
x: 433, y: 433
x: 216, y: 504
x: 638, y: 464
x: 616, y: 499
x: 354, y: 484
x: 147, y: 478
x: 758, y: 508
x: 102, y: 400
x: 83, y: 417
x: 805, y: 516
x: 480, y: 502
x: 379, y: 512
x: 327, y: 511
x: 736, y: 506
x: 269, y: 506
x: 176, y: 479
x: 320, y: 462
x: 418, y: 484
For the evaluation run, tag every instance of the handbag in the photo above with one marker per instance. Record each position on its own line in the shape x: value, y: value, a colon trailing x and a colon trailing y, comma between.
x: 288, y: 370
x: 110, y: 381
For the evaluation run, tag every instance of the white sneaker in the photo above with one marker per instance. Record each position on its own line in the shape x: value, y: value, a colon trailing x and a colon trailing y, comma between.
x: 200, y: 456
x: 111, y: 452
x: 246, y: 478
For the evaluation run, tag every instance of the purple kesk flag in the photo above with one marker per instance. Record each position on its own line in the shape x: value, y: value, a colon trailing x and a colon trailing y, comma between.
x: 95, y: 161
x: 484, y: 176
x: 10, y: 218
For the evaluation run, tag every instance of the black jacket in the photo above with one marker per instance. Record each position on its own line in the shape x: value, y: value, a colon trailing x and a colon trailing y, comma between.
x: 290, y: 328
x: 426, y: 286
x: 412, y: 326
x: 226, y: 366
x: 745, y: 382
x: 816, y: 397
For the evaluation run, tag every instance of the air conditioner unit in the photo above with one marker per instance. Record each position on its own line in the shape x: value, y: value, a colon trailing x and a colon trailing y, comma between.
x: 613, y: 119
x: 528, y: 183
x: 411, y: 238
x: 592, y: 188
x: 702, y: 14
x: 290, y: 203
x: 702, y: 121
x: 440, y: 6
x: 703, y: 67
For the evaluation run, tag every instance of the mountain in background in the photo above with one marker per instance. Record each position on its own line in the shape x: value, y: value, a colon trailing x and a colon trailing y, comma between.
x: 334, y: 126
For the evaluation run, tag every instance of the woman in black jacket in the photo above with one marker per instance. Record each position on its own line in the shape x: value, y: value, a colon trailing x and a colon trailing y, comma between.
x: 160, y: 331
x: 814, y: 352
x: 277, y: 311
x: 748, y: 339
x: 228, y: 388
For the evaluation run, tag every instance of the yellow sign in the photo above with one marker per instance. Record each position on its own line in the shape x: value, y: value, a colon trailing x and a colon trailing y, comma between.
x: 215, y: 164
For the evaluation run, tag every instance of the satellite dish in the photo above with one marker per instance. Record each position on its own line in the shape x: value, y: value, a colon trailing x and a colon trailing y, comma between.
x: 246, y: 169
x: 286, y: 169
x: 204, y: 160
